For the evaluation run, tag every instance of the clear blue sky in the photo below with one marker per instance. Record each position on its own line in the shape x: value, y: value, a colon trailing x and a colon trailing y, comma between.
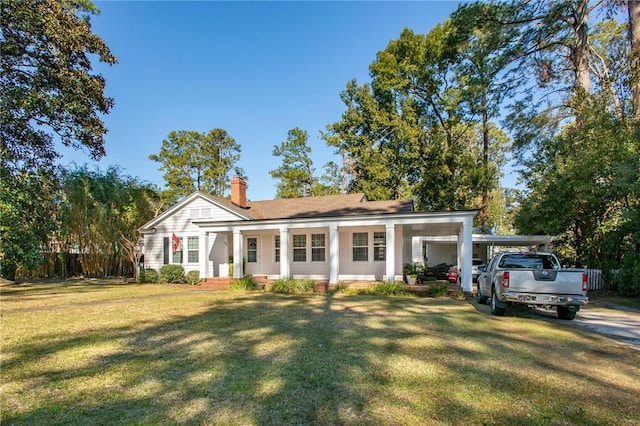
x: 255, y: 69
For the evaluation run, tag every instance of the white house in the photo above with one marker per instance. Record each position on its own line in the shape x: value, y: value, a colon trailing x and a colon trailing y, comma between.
x: 330, y: 238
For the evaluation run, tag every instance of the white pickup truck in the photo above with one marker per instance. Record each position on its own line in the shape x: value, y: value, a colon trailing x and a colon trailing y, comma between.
x: 533, y: 279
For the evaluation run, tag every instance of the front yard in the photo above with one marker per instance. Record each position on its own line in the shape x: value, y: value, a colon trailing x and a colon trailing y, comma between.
x: 105, y: 353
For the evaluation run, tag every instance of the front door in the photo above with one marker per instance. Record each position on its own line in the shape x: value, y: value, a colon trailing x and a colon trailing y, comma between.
x: 253, y: 256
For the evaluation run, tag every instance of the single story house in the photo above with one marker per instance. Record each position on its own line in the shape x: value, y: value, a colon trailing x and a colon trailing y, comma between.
x: 333, y: 238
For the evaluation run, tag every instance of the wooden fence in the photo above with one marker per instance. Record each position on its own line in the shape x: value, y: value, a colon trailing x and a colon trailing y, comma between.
x: 596, y: 279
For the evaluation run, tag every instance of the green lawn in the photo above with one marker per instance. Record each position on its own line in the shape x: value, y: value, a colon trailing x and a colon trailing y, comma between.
x: 92, y: 353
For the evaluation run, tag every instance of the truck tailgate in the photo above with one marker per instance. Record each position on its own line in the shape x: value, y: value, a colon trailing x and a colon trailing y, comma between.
x: 545, y: 281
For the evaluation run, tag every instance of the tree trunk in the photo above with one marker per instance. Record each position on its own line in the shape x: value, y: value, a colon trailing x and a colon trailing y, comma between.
x: 580, y: 51
x: 634, y: 39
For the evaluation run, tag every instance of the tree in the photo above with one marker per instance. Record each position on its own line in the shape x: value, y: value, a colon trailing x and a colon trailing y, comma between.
x: 198, y: 161
x: 414, y: 131
x: 47, y: 87
x: 634, y: 42
x: 296, y: 173
x: 47, y: 93
x: 99, y: 216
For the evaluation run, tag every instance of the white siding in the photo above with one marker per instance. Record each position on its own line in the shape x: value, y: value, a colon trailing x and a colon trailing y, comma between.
x: 363, y: 270
x: 181, y: 224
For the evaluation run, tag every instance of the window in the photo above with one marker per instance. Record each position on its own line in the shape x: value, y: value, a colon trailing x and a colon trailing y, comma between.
x: 177, y: 256
x: 194, y: 213
x: 299, y: 248
x: 192, y: 250
x: 379, y: 246
x: 317, y: 248
x: 277, y: 247
x: 360, y: 247
x: 252, y: 250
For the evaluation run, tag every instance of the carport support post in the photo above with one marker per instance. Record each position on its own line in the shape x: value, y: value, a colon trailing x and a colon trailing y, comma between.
x: 467, y: 256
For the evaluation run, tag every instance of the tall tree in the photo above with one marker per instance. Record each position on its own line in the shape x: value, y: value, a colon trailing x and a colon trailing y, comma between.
x: 198, y: 161
x: 296, y: 175
x: 634, y: 41
x: 99, y: 215
x: 47, y: 93
x: 47, y: 88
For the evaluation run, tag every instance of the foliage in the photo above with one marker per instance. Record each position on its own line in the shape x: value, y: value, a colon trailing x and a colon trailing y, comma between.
x: 25, y: 219
x: 387, y: 289
x: 629, y: 276
x: 413, y: 268
x: 46, y: 85
x: 172, y: 274
x: 342, y: 289
x: 193, y: 277
x: 414, y: 130
x: 198, y: 161
x: 47, y: 94
x: 436, y: 290
x: 290, y: 285
x: 149, y: 275
x: 296, y: 173
x: 245, y: 283
x: 98, y: 217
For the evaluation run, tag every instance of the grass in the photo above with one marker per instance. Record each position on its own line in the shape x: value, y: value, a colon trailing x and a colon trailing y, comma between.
x: 92, y: 353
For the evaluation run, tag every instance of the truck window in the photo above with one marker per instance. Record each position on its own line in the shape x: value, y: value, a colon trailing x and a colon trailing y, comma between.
x: 528, y: 261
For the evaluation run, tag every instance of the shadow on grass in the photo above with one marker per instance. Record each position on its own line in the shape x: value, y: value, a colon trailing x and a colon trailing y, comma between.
x: 272, y: 359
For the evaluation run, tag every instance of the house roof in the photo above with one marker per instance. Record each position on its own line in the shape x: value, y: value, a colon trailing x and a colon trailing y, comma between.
x: 290, y: 208
x: 325, y: 206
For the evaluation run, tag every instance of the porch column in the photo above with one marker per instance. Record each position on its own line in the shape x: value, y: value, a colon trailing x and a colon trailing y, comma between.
x: 203, y: 256
x: 237, y: 254
x: 334, y: 254
x: 285, y: 267
x: 467, y: 255
x: 390, y: 252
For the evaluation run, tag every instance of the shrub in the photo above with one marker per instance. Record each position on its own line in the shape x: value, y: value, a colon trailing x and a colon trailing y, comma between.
x: 172, y: 274
x: 628, y: 278
x: 245, y: 283
x: 342, y: 289
x: 436, y: 290
x: 149, y: 276
x: 288, y: 285
x: 193, y: 277
x: 388, y: 289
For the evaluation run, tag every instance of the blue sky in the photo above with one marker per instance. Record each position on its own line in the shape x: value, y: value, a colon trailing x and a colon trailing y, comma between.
x: 255, y: 69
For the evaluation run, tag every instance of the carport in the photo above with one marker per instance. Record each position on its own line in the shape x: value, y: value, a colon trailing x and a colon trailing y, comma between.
x: 433, y: 250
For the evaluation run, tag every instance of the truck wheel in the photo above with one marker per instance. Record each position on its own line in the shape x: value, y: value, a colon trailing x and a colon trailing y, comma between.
x: 481, y: 298
x: 495, y: 309
x: 565, y: 313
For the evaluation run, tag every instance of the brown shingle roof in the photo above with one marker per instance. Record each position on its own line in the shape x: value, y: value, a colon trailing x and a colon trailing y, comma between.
x: 324, y: 206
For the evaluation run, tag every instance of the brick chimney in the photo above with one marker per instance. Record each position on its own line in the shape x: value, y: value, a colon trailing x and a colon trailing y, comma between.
x: 239, y: 192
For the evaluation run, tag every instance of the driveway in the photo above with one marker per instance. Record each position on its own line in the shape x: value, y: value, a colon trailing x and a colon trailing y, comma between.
x: 617, y: 322
x: 623, y: 325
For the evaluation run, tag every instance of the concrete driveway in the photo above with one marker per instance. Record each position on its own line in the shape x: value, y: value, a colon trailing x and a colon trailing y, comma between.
x: 623, y: 325
x: 620, y: 323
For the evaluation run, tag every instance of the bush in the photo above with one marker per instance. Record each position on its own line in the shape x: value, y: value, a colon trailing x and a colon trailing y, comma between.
x: 149, y: 276
x: 172, y: 274
x: 245, y: 283
x: 193, y: 277
x: 288, y: 285
x: 436, y: 290
x: 388, y: 289
x: 342, y: 289
x: 628, y: 278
